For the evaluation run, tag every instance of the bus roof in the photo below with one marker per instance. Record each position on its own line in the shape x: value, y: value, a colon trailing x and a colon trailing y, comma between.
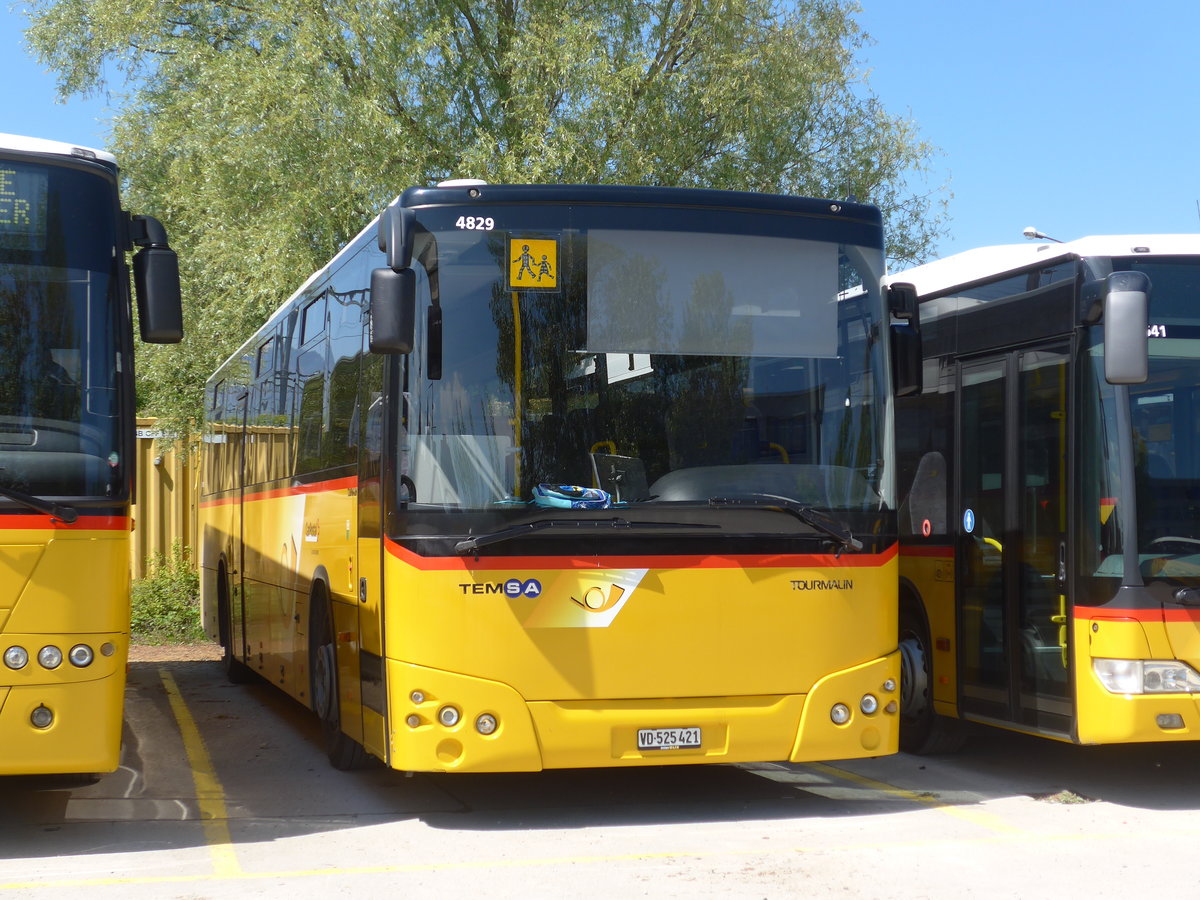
x: 58, y: 148
x: 985, y: 262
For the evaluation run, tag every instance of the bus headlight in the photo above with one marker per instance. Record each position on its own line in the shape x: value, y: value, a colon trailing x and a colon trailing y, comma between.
x: 16, y: 657
x: 1146, y: 676
x: 81, y: 656
x: 50, y: 657
x: 449, y: 716
x: 41, y: 717
x: 840, y: 714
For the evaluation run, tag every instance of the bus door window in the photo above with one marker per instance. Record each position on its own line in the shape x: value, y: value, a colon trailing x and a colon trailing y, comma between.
x: 1042, y: 604
x: 983, y: 512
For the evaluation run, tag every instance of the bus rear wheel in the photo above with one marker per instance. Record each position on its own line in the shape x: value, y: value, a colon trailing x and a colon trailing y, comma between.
x: 922, y: 730
x: 344, y: 752
x: 235, y: 670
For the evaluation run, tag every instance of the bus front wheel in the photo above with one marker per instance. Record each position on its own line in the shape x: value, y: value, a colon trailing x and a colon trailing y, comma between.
x: 344, y: 752
x: 922, y: 730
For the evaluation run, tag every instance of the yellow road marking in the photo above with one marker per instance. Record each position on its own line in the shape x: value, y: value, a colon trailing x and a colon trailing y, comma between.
x: 986, y: 820
x: 210, y: 796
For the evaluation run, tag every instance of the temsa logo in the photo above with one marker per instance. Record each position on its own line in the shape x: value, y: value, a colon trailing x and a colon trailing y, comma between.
x: 514, y: 587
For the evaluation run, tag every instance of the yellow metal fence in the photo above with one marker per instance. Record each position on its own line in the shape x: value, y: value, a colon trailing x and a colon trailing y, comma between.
x: 165, y: 501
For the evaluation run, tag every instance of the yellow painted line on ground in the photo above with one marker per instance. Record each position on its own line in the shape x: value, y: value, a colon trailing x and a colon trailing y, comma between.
x: 210, y: 796
x: 985, y: 820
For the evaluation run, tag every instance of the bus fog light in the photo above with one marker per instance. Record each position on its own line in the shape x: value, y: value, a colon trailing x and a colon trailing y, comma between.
x: 50, y: 657
x: 840, y: 714
x: 868, y: 704
x: 41, y: 717
x: 449, y: 716
x: 486, y: 724
x: 1170, y: 720
x: 81, y: 656
x: 16, y: 657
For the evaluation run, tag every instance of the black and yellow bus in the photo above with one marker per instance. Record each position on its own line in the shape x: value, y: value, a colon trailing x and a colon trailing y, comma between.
x: 67, y: 447
x: 1050, y: 493
x: 554, y: 476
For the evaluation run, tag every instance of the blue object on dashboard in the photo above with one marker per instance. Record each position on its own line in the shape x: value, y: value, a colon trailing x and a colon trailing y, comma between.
x: 570, y: 496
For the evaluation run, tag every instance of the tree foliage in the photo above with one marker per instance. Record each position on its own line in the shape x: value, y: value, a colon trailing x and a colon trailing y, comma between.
x: 265, y: 133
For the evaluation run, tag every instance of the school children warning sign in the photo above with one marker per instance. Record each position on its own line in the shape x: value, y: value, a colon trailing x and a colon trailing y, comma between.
x: 532, y: 264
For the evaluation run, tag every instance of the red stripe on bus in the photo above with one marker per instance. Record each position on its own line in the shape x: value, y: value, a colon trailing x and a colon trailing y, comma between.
x: 83, y: 523
x: 938, y: 552
x: 1089, y: 613
x: 1157, y: 614
x: 777, y: 561
x: 317, y: 487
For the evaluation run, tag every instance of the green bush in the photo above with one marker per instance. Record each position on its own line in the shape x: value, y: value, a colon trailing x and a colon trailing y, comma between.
x: 166, y: 603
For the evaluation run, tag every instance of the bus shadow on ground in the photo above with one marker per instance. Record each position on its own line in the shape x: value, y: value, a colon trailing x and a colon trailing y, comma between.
x: 998, y: 763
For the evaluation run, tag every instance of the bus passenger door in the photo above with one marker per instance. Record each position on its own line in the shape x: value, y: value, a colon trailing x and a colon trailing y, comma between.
x: 369, y: 557
x: 1012, y: 495
x: 983, y: 516
x: 237, y: 549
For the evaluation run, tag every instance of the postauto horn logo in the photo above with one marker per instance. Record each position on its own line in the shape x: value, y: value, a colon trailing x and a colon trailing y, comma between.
x: 585, y: 599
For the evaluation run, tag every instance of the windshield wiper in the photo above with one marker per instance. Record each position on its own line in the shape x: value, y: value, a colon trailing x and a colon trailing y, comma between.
x: 806, y: 514
x: 472, y: 544
x: 65, y: 513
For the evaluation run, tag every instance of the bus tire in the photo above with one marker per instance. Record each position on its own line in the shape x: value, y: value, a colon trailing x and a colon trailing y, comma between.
x: 235, y: 670
x: 922, y: 730
x: 344, y: 752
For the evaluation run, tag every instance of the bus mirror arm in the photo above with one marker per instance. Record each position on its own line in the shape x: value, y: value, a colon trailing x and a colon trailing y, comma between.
x: 902, y: 302
x: 393, y: 311
x: 156, y: 281
x: 396, y: 235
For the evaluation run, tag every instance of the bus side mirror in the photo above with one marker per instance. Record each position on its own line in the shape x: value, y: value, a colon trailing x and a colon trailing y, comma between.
x: 396, y: 236
x: 160, y: 307
x: 1126, y: 319
x: 393, y: 312
x: 907, y: 369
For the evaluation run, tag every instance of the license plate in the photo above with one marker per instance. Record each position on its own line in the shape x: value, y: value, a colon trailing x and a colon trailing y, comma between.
x: 668, y: 738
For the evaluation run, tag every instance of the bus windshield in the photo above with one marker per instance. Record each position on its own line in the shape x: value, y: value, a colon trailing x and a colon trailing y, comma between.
x: 1165, y: 414
x: 59, y: 351
x: 653, y: 357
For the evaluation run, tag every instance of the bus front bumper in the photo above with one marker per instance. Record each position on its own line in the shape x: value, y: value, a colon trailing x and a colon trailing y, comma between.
x: 441, y: 721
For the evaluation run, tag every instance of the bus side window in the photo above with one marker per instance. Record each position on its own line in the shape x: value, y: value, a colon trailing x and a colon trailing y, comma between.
x: 927, y: 498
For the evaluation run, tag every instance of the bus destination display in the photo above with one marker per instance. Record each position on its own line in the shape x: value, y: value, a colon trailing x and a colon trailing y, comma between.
x: 22, y: 206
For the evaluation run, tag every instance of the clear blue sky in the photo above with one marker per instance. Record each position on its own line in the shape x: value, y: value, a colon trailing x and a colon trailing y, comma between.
x: 1077, y: 116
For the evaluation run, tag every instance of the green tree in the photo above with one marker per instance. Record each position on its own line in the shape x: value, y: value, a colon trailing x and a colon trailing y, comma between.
x: 266, y: 132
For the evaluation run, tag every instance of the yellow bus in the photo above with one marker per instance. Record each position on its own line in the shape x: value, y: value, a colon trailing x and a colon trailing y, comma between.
x: 555, y: 476
x: 1050, y: 480
x: 67, y: 447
